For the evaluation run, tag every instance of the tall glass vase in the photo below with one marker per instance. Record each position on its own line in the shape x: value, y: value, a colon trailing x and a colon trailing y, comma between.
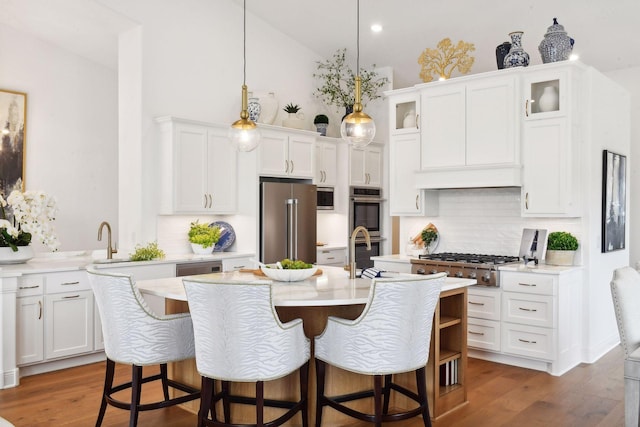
x: 516, y: 57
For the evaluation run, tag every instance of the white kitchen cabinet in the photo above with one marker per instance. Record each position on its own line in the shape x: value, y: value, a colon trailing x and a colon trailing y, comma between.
x: 405, y: 199
x: 365, y: 166
x: 30, y: 329
x: 470, y: 123
x: 550, y: 147
x: 404, y: 111
x: 199, y: 168
x: 483, y: 311
x: 326, y: 163
x: 237, y: 264
x: 333, y: 256
x: 287, y: 154
x: 68, y: 324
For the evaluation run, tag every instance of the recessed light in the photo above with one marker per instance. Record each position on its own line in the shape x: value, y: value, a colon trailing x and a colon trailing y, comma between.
x: 376, y: 28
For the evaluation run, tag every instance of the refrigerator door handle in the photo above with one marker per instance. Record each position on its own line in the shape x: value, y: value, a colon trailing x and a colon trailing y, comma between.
x: 292, y: 229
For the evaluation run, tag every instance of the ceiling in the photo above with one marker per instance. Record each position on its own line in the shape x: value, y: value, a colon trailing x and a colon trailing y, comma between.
x: 604, y: 32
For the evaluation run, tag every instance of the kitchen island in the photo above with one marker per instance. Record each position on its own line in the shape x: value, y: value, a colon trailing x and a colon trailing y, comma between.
x: 334, y: 294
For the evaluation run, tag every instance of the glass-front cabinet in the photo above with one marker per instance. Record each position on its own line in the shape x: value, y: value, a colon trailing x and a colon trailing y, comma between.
x: 546, y: 94
x: 404, y: 112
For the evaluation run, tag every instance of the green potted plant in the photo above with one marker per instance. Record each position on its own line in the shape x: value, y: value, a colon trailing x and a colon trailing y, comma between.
x: 429, y: 235
x: 322, y: 122
x: 337, y: 82
x: 561, y: 248
x: 295, y: 119
x: 203, y: 238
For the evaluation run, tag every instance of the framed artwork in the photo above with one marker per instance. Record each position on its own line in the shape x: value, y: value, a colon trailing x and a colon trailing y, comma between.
x: 614, y: 201
x: 13, y: 119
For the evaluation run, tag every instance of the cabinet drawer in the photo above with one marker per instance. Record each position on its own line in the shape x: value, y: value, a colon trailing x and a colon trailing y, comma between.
x: 483, y: 334
x: 70, y: 281
x: 535, y: 310
x: 330, y: 257
x: 530, y: 283
x: 483, y: 304
x: 529, y: 341
x: 235, y: 264
x: 30, y: 284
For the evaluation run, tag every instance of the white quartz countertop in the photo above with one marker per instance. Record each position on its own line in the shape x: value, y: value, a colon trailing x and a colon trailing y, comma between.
x: 541, y: 268
x: 69, y: 261
x: 333, y: 287
x: 401, y: 258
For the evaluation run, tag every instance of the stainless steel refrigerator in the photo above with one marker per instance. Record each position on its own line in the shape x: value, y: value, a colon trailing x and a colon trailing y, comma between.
x: 287, y: 221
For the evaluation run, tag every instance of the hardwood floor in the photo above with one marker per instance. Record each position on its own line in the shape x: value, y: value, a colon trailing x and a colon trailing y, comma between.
x: 499, y: 395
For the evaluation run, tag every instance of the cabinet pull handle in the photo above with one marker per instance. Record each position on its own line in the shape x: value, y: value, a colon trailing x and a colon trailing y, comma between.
x: 527, y: 309
x: 39, y: 310
x: 71, y: 296
x: 527, y: 341
x: 331, y: 257
x: 526, y: 108
x: 526, y: 200
x: 476, y: 333
x: 476, y: 303
x: 286, y: 166
x: 291, y: 166
x: 210, y: 201
x: 417, y: 198
x: 238, y: 267
x: 69, y: 283
x: 417, y: 121
x: 531, y: 285
x: 29, y: 287
x: 205, y: 201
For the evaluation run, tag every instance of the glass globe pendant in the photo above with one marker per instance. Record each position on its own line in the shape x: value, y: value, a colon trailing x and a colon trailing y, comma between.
x: 358, y: 128
x: 244, y: 133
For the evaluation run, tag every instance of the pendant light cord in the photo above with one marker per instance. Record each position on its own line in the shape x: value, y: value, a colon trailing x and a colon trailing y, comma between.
x: 244, y: 43
x: 357, y: 41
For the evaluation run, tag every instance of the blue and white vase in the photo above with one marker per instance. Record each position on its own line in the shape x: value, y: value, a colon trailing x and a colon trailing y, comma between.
x: 253, y: 108
x: 556, y: 45
x: 516, y: 57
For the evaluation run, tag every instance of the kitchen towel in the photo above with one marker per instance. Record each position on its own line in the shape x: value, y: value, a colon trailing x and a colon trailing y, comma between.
x: 372, y: 272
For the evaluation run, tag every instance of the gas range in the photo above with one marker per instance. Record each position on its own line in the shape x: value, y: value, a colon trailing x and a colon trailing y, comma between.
x: 483, y: 268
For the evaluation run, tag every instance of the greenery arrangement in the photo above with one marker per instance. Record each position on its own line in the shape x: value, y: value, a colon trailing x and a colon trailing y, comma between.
x: 429, y: 235
x: 147, y: 253
x: 202, y: 234
x: 288, y: 264
x: 28, y: 214
x: 320, y: 118
x: 337, y: 82
x: 445, y: 58
x: 562, y: 241
x: 291, y: 108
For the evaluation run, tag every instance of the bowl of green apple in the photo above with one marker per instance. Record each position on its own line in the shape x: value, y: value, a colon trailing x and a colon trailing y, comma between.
x: 289, y: 270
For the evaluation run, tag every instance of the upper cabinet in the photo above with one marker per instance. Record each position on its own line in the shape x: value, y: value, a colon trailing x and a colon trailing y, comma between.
x: 287, y: 154
x: 365, y: 166
x: 198, y: 168
x: 551, y: 159
x: 404, y: 112
x: 470, y: 133
x: 326, y: 163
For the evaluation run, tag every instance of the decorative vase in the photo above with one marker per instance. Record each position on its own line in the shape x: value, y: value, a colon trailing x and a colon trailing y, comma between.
x: 516, y: 57
x: 559, y: 257
x: 548, y: 100
x: 294, y: 121
x: 556, y: 44
x: 348, y: 110
x: 269, y: 108
x: 409, y: 120
x: 22, y: 255
x: 322, y: 128
x: 253, y: 108
x: 501, y: 51
x: 200, y: 250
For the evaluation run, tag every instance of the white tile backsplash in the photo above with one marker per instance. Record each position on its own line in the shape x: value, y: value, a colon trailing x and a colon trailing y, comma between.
x: 483, y: 220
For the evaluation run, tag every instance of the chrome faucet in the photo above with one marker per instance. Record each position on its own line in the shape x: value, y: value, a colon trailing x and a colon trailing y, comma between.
x: 110, y: 250
x: 352, y: 249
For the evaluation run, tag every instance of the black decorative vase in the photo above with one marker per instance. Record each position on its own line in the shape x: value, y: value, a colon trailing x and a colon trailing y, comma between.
x: 349, y: 110
x: 501, y: 52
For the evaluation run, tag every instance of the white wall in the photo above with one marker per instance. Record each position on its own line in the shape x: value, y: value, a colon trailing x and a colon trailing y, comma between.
x: 71, y: 136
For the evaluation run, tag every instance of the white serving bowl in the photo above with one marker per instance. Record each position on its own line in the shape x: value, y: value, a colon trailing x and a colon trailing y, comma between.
x: 288, y: 275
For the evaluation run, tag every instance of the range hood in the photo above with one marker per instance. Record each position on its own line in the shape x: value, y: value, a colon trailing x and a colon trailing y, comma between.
x: 481, y: 176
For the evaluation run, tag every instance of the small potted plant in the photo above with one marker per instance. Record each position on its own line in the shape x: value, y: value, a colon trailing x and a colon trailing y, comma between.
x: 429, y: 235
x: 561, y: 248
x: 295, y: 119
x: 203, y: 238
x: 322, y: 122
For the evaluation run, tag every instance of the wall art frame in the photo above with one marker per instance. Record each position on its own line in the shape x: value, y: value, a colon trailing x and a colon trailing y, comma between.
x: 13, y: 119
x: 614, y: 201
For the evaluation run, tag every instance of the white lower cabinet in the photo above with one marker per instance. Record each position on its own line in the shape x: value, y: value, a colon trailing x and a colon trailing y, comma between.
x: 532, y: 320
x: 68, y: 324
x: 30, y: 330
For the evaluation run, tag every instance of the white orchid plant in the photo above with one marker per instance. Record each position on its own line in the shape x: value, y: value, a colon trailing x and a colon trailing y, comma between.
x: 26, y: 215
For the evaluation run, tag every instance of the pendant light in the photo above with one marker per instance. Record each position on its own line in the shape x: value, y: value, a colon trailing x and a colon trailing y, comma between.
x: 244, y: 133
x: 358, y: 128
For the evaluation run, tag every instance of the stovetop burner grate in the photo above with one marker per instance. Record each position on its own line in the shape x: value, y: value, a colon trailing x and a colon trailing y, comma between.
x: 469, y: 258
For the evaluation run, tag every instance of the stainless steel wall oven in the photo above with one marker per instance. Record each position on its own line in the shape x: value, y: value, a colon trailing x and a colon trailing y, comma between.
x: 365, y: 209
